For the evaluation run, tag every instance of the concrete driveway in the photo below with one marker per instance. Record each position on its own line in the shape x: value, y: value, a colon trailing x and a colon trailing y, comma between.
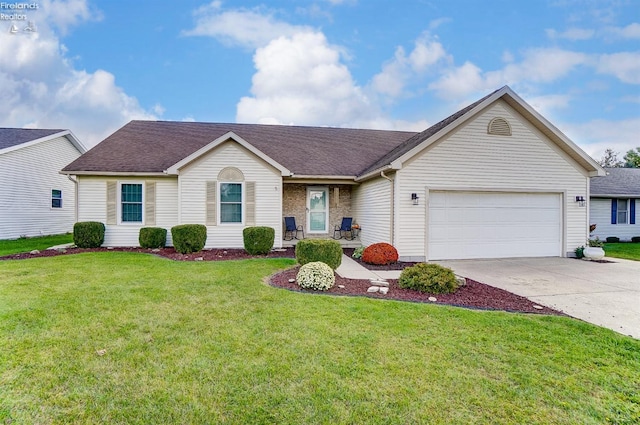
x: 605, y: 294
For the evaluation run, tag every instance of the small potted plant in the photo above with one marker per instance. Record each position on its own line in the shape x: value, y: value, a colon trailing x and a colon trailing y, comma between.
x: 594, y: 251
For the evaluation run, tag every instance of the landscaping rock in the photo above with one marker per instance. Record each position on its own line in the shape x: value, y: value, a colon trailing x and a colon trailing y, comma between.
x: 373, y: 289
x: 341, y: 286
x: 433, y: 299
x: 291, y: 280
x: 383, y: 290
x: 538, y: 307
x: 198, y: 259
x: 461, y: 280
x: 379, y: 282
x: 34, y: 252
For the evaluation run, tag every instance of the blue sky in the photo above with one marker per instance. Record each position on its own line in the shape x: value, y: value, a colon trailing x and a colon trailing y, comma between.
x: 91, y: 66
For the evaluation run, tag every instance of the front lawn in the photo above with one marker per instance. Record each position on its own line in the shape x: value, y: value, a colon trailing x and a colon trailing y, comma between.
x: 630, y: 251
x: 117, y: 337
x: 14, y: 246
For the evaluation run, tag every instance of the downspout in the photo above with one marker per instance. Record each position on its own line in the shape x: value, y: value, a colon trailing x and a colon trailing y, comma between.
x: 391, y: 218
x: 75, y: 207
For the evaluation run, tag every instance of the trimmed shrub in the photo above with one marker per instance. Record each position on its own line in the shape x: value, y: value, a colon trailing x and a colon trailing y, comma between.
x: 613, y: 239
x: 579, y: 251
x: 635, y: 239
x: 88, y: 234
x: 429, y: 278
x: 357, y: 253
x: 258, y: 240
x: 326, y: 250
x: 188, y: 238
x: 380, y: 253
x: 152, y: 237
x: 316, y: 275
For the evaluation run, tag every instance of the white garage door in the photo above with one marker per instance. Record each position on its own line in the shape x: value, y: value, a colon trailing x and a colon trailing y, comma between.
x: 494, y: 225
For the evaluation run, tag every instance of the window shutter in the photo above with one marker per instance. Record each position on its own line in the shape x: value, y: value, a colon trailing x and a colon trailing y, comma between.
x: 632, y: 211
x: 112, y: 202
x: 150, y: 203
x: 614, y: 211
x: 250, y: 199
x: 212, y: 203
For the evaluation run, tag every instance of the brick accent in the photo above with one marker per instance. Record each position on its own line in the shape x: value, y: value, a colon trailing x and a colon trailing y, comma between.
x: 294, y: 204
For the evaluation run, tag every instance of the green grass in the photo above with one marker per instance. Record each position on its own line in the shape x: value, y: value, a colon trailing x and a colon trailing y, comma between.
x: 14, y: 246
x: 209, y: 342
x: 630, y: 251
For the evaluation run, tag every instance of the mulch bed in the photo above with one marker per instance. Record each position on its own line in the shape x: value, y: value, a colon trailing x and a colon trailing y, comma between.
x: 472, y: 295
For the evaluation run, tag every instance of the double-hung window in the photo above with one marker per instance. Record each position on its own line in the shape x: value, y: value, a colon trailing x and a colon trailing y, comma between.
x: 231, y: 202
x: 623, y: 211
x: 56, y: 198
x: 131, y: 202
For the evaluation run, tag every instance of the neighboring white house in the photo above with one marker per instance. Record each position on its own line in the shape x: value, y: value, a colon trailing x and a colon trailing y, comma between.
x: 36, y: 199
x: 495, y: 179
x: 614, y: 199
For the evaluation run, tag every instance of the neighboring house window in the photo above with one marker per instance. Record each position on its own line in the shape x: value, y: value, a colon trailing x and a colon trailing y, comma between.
x: 131, y: 202
x: 56, y: 198
x: 230, y: 202
x: 623, y: 211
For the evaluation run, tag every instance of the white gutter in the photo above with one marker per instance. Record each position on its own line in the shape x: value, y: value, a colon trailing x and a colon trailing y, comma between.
x: 392, y: 215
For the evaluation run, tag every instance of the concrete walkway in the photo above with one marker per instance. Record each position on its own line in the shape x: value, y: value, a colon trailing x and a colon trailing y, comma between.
x: 351, y: 269
x: 605, y: 294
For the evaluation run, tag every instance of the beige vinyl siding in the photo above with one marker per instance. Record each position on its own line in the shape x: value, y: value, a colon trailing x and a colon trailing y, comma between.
x: 27, y: 176
x: 372, y: 210
x: 601, y: 216
x: 92, y: 206
x: 268, y: 194
x: 471, y: 159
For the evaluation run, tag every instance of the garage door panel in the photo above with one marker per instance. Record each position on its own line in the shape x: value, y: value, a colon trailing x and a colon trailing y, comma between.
x: 494, y: 225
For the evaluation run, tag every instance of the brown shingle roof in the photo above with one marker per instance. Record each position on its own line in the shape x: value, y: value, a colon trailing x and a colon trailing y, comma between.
x: 154, y: 146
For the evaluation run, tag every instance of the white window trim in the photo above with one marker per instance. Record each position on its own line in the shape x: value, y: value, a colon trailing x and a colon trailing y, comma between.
x: 308, y: 210
x: 219, y: 204
x: 119, y: 204
x: 51, y: 198
x: 626, y: 210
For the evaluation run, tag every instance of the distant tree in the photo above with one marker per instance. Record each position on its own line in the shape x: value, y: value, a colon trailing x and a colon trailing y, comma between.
x: 610, y: 159
x: 632, y: 158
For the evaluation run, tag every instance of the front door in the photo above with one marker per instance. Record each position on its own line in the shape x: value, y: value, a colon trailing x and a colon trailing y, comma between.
x: 317, y: 209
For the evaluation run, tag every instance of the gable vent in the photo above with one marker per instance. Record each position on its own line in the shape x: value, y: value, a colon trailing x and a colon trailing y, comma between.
x: 499, y: 126
x: 230, y: 174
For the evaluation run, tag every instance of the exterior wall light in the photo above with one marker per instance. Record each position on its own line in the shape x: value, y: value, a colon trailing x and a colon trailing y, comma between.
x: 581, y: 201
x: 414, y: 198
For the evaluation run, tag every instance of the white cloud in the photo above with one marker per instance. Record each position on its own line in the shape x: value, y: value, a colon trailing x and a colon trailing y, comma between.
x: 630, y: 31
x: 399, y: 71
x: 546, y: 104
x: 250, y: 28
x: 573, y: 34
x: 41, y: 88
x: 300, y: 80
x: 625, y: 66
x: 537, y: 66
x: 597, y: 135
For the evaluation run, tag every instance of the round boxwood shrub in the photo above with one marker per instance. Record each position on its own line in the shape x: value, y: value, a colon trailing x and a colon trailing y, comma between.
x: 316, y: 275
x: 328, y: 251
x: 152, y: 237
x: 258, y: 240
x: 88, y: 234
x: 635, y: 239
x: 188, y: 238
x: 429, y: 278
x: 613, y: 239
x: 380, y: 253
